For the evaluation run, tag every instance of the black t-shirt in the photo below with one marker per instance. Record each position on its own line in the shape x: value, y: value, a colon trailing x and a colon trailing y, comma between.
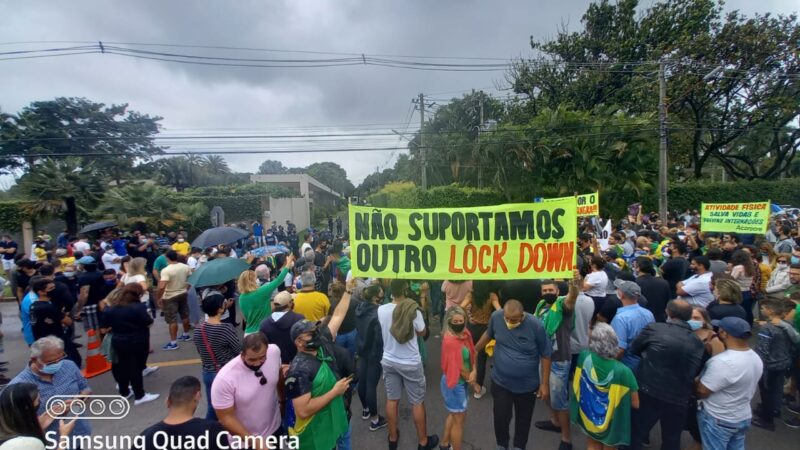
x: 657, y: 292
x: 97, y: 286
x: 6, y: 245
x: 193, y: 428
x: 349, y: 322
x: 46, y: 320
x: 674, y: 271
x: 718, y: 311
x: 528, y: 292
x: 23, y: 280
x: 62, y: 297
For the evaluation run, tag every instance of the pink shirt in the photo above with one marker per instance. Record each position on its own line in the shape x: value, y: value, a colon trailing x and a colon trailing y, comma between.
x: 257, y: 406
x: 454, y: 293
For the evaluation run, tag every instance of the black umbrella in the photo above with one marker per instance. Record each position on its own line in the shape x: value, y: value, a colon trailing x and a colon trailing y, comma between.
x: 97, y: 226
x: 218, y: 236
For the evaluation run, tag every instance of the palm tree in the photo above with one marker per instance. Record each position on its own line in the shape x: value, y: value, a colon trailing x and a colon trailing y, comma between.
x: 148, y: 204
x: 216, y: 165
x: 62, y: 186
x: 175, y: 172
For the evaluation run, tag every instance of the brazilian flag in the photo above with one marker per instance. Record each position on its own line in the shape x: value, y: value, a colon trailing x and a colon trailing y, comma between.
x: 601, y: 404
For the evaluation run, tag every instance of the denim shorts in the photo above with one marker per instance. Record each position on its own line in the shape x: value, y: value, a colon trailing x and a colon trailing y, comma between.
x: 455, y: 400
x: 559, y: 385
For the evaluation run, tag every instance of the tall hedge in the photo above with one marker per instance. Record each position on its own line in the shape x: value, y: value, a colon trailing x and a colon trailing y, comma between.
x: 237, y: 208
x: 12, y: 214
x: 681, y: 196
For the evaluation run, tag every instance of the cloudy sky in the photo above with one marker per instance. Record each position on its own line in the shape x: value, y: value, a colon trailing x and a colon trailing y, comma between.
x: 208, y: 100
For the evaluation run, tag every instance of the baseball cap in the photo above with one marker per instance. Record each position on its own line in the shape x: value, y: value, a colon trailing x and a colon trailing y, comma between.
x: 629, y: 288
x: 86, y: 260
x: 735, y: 326
x: 282, y: 299
x: 300, y: 327
x: 611, y: 253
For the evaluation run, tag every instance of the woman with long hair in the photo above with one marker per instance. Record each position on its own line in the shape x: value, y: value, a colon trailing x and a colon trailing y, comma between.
x: 130, y: 324
x: 137, y: 273
x: 479, y: 304
x: 458, y: 371
x: 779, y: 279
x: 768, y: 255
x: 743, y: 271
x: 727, y: 298
x: 369, y: 347
x: 255, y: 301
x: 20, y: 427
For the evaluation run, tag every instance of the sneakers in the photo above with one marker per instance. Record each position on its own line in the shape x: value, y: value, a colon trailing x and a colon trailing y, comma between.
x: 794, y: 407
x: 433, y: 442
x: 763, y: 423
x: 547, y: 425
x: 148, y: 397
x: 170, y: 346
x: 149, y: 370
x: 393, y: 444
x: 365, y: 414
x: 381, y: 423
x: 794, y: 422
x: 184, y: 337
x: 480, y: 394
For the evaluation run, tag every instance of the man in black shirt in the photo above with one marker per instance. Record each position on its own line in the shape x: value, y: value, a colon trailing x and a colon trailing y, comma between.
x: 25, y: 270
x: 676, y: 268
x: 656, y: 290
x: 527, y: 292
x: 48, y: 319
x: 185, y: 430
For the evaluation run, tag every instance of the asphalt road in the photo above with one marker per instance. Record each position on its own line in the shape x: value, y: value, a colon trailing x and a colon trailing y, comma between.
x: 479, y: 433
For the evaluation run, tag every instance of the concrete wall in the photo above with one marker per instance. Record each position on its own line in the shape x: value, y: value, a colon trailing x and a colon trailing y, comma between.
x: 283, y: 209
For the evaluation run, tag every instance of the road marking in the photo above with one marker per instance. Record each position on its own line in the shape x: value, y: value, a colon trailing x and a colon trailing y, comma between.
x: 180, y: 362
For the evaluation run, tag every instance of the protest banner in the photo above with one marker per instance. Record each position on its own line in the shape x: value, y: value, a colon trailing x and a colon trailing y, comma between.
x: 589, y: 204
x: 500, y: 242
x: 749, y: 218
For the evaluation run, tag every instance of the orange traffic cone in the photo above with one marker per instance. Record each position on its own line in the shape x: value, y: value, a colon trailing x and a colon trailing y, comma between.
x: 96, y: 363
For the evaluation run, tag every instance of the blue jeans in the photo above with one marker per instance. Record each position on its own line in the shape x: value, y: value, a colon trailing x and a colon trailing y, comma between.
x: 208, y: 379
x: 343, y: 443
x: 721, y: 435
x: 348, y: 341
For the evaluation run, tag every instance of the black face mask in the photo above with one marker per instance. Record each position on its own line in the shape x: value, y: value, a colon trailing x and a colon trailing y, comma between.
x: 550, y: 298
x: 457, y: 328
x: 253, y: 368
x: 315, y: 342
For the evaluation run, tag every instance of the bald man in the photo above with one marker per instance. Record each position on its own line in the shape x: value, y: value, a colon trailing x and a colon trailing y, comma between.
x: 672, y: 357
x: 520, y: 344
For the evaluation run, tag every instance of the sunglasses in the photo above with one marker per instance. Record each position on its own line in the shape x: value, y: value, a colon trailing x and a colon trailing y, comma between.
x: 259, y: 373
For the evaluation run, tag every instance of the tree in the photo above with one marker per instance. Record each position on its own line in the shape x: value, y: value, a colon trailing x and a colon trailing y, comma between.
x: 331, y: 175
x: 216, y: 165
x: 272, y: 167
x: 149, y: 204
x: 177, y: 172
x: 62, y: 186
x: 613, y: 61
x: 78, y: 126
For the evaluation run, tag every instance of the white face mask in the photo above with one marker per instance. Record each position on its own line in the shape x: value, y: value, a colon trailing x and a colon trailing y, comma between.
x: 180, y: 240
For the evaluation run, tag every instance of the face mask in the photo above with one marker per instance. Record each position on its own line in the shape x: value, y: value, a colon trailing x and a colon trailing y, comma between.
x: 180, y: 240
x: 253, y: 368
x: 795, y: 260
x: 457, y: 328
x: 313, y: 343
x: 69, y: 274
x: 110, y: 282
x: 511, y: 326
x: 550, y: 298
x: 695, y: 324
x: 51, y: 369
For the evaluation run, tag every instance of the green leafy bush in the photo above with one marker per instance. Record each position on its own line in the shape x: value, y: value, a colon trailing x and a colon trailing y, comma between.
x: 12, y: 214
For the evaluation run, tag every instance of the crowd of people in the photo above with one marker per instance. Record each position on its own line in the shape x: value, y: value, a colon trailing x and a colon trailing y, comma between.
x: 662, y: 324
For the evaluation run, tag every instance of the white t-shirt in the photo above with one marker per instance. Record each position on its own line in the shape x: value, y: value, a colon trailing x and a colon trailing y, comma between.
x: 304, y: 247
x: 394, y: 351
x: 130, y: 279
x: 22, y: 443
x: 699, y: 289
x: 191, y: 262
x: 108, y: 261
x: 598, y: 281
x: 732, y: 377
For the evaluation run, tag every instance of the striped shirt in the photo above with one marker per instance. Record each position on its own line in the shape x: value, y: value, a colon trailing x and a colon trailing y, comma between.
x: 223, y: 341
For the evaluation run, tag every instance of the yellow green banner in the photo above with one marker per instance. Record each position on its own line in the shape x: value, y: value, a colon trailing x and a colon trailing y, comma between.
x: 589, y: 204
x: 500, y: 242
x: 748, y: 218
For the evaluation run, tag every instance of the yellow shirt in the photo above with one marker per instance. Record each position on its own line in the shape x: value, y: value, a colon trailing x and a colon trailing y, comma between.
x: 312, y: 305
x: 181, y: 247
x: 41, y: 254
x: 67, y: 261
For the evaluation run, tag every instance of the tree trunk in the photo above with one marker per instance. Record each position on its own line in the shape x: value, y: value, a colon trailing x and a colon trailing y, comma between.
x: 71, y: 215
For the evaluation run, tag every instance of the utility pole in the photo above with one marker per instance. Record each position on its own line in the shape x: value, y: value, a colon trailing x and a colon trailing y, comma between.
x: 422, y: 149
x: 662, y: 154
x: 480, y: 162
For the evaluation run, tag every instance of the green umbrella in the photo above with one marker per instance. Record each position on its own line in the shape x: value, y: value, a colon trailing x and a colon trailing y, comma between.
x: 218, y: 271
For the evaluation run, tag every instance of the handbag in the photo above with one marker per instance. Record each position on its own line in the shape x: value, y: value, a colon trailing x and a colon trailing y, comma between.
x: 208, y: 347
